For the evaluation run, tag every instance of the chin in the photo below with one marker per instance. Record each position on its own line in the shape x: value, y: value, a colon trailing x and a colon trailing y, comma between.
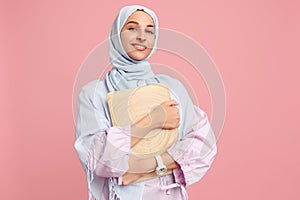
x: 138, y: 57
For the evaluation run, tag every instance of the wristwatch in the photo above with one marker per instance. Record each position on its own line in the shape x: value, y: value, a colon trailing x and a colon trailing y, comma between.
x: 161, y: 169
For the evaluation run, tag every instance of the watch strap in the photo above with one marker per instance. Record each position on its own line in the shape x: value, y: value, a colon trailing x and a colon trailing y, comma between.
x: 159, y: 161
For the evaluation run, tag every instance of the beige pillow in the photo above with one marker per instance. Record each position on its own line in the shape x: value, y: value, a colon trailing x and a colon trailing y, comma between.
x: 128, y: 106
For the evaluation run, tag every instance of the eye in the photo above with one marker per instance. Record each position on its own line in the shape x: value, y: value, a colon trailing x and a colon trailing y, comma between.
x: 132, y: 29
x: 150, y: 31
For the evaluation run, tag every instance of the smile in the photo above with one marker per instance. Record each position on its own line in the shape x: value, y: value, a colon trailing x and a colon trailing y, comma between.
x: 139, y: 47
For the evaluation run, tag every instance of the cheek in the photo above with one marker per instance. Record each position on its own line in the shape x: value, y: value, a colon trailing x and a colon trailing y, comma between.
x: 126, y: 40
x: 126, y: 37
x: 151, y: 41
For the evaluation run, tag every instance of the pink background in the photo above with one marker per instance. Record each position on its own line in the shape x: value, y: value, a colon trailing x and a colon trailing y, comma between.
x: 254, y: 44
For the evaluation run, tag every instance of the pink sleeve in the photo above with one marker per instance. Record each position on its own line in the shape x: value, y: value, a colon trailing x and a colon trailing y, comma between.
x: 194, y: 152
x: 115, y: 152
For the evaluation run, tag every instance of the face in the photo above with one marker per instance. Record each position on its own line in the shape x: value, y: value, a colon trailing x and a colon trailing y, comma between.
x: 138, y: 36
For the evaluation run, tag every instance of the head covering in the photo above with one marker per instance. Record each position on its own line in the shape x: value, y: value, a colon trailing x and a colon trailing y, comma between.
x: 127, y: 72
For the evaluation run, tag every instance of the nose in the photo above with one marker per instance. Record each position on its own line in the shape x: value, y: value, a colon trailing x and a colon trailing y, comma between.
x: 141, y: 36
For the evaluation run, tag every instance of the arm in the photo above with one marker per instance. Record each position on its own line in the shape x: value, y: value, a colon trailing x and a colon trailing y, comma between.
x: 197, y: 148
x: 139, y: 168
x: 163, y: 116
x: 147, y: 165
x: 190, y: 157
x: 103, y: 150
x: 141, y: 128
x: 193, y: 153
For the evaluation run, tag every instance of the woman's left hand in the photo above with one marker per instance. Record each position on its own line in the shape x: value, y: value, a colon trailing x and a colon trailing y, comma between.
x: 129, y: 177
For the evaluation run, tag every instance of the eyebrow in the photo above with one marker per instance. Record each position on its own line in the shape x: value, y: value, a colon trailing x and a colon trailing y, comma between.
x: 134, y: 22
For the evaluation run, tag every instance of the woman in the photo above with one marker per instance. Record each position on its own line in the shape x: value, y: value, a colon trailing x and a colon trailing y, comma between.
x: 104, y: 150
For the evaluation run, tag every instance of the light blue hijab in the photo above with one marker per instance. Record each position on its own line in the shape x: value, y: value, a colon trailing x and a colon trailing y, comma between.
x: 126, y: 71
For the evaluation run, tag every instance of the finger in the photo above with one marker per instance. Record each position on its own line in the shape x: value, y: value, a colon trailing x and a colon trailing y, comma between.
x: 174, y: 110
x: 171, y: 103
x: 168, y: 102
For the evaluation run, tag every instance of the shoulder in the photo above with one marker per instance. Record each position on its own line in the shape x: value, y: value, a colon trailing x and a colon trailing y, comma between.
x: 177, y: 89
x: 93, y: 89
x: 168, y: 80
x: 174, y: 84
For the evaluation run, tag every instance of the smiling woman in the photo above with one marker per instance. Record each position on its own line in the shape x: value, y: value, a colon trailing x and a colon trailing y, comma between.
x: 137, y: 35
x: 105, y: 149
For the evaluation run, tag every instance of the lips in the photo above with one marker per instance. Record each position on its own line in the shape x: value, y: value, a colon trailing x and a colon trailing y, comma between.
x: 139, y: 47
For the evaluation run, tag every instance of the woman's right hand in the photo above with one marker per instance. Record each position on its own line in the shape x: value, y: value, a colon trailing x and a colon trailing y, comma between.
x: 166, y: 115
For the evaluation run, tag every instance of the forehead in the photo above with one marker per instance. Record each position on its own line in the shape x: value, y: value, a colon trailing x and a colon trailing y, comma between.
x: 141, y: 17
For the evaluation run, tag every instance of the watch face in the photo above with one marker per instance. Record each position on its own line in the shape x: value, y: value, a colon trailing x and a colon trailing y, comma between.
x: 161, y: 171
